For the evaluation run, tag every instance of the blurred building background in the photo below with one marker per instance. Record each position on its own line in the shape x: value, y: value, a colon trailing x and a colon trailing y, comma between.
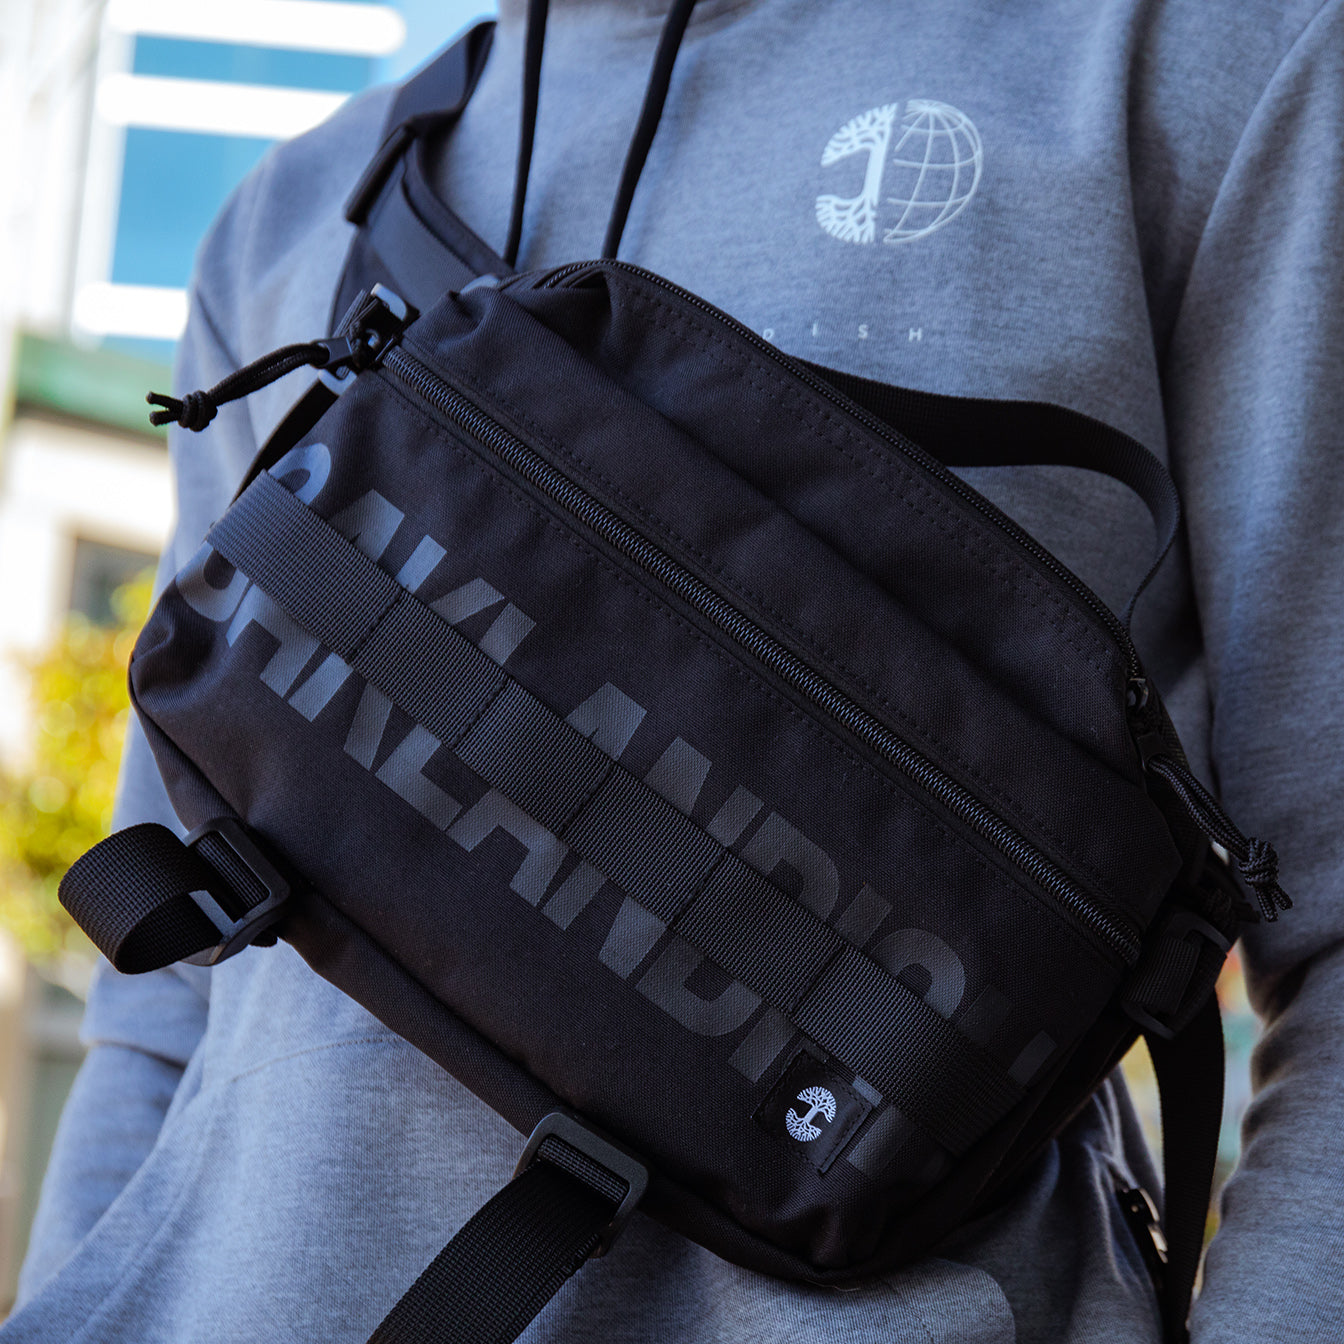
x: 128, y: 122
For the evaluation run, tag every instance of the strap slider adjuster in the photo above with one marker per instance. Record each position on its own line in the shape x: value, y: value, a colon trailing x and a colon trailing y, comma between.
x: 1176, y: 974
x: 566, y: 1142
x: 250, y: 895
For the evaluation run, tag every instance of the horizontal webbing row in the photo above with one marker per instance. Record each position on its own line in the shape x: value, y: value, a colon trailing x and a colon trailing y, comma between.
x: 851, y: 1007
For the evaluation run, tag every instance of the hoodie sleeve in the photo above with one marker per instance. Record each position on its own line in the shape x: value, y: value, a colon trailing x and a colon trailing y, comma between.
x: 262, y: 278
x: 141, y: 1030
x: 1255, y: 383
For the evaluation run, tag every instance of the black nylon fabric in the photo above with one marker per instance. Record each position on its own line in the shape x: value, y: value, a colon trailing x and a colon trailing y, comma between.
x: 754, y: 890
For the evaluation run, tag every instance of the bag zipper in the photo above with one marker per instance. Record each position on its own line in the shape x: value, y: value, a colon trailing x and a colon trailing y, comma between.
x: 1115, y: 932
x: 369, y: 335
x: 1114, y: 626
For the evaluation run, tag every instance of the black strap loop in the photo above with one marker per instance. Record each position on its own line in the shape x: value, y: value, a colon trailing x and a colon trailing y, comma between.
x: 131, y: 894
x: 147, y: 899
x: 486, y: 1285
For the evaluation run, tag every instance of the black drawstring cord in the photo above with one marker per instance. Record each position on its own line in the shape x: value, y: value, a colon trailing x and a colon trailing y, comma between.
x: 197, y: 409
x: 1257, y: 862
x: 532, y: 48
x: 655, y: 95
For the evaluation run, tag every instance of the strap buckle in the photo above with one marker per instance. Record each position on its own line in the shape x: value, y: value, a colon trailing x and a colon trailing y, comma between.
x: 597, y: 1148
x: 250, y: 895
x: 1173, y: 986
x: 1146, y: 1226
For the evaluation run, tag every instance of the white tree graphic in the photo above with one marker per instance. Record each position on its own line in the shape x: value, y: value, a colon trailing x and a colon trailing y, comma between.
x: 853, y: 219
x: 819, y: 1101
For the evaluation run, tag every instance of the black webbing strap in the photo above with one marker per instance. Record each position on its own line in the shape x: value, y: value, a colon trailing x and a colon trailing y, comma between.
x: 512, y: 1257
x: 549, y: 775
x: 148, y: 899
x: 983, y: 432
x: 1189, y: 1069
x: 430, y: 99
x: 131, y: 893
x: 407, y: 238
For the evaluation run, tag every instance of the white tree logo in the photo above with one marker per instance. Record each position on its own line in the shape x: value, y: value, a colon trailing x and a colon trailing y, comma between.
x: 819, y: 1101
x: 930, y: 172
x: 853, y: 219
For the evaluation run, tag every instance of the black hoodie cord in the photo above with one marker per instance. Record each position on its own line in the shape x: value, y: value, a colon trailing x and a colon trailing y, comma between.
x: 655, y: 95
x: 533, y: 43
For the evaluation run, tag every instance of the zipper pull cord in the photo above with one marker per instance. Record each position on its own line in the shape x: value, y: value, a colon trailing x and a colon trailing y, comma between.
x: 1257, y: 862
x: 197, y: 409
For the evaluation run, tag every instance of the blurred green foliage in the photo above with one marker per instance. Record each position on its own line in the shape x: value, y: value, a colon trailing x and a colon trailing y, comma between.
x: 59, y: 801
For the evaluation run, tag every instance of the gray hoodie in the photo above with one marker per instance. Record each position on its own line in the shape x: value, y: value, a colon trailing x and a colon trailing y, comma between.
x: 1133, y: 209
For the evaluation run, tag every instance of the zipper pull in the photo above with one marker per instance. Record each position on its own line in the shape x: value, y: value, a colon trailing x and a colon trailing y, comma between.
x: 1256, y: 860
x: 372, y: 325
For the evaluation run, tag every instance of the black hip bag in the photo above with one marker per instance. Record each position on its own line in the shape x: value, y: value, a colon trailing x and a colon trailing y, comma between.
x: 651, y: 729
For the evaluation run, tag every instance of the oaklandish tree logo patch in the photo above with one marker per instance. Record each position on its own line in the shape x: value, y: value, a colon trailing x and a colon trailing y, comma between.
x: 819, y: 1101
x: 919, y: 172
x: 812, y: 1111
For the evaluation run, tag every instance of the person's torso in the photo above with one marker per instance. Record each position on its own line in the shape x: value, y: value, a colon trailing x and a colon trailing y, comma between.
x: 966, y: 199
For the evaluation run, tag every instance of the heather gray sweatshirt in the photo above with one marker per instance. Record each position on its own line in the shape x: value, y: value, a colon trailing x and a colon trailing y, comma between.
x: 1133, y: 209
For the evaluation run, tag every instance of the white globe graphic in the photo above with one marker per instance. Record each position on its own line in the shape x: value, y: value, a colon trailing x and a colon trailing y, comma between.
x: 920, y: 172
x: 934, y: 169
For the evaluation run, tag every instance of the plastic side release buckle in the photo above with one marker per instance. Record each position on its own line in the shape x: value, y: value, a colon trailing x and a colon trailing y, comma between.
x: 1146, y: 1227
x: 249, y: 896
x: 1165, y: 985
x: 597, y: 1148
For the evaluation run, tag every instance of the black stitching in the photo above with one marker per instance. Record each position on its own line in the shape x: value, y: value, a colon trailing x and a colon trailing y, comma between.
x: 920, y: 810
x: 1022, y: 810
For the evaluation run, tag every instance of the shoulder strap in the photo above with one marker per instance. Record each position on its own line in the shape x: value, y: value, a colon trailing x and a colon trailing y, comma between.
x: 571, y: 1195
x: 983, y: 432
x: 1189, y: 1069
x: 406, y: 237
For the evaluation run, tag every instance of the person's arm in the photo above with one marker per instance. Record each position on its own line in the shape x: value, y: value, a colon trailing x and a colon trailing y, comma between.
x: 1255, y: 381
x: 141, y: 1030
x: 264, y: 276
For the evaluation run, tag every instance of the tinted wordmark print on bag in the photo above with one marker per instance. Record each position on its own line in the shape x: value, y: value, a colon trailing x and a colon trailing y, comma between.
x: 608, y: 719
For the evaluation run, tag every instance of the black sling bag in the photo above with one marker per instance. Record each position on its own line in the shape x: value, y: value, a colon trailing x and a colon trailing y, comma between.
x: 650, y: 728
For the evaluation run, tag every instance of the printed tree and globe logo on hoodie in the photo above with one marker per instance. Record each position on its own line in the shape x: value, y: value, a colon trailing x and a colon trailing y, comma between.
x: 921, y: 169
